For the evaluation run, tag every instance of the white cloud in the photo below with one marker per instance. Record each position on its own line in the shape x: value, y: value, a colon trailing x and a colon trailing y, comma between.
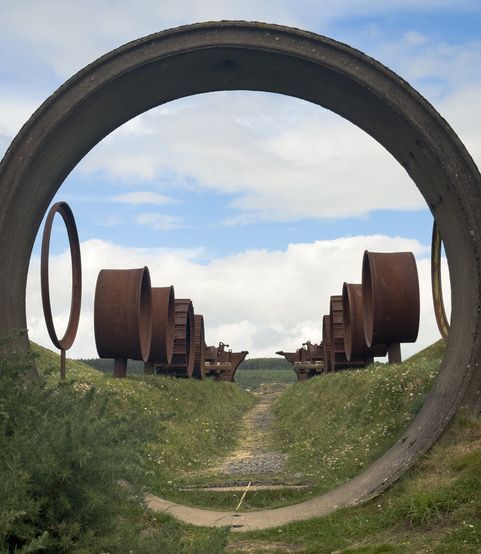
x: 142, y: 197
x: 160, y: 222
x: 258, y: 300
x: 281, y: 159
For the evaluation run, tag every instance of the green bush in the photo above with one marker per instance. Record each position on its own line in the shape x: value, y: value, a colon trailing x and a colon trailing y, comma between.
x: 63, y: 451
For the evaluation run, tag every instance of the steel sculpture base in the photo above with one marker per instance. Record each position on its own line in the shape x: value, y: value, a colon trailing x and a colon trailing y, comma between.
x: 254, y: 56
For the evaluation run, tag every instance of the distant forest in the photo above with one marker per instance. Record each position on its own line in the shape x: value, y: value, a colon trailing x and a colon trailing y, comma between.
x: 107, y: 365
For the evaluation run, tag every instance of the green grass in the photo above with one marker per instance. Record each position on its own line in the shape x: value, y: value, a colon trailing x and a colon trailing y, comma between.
x: 435, y: 507
x: 252, y: 378
x: 335, y: 425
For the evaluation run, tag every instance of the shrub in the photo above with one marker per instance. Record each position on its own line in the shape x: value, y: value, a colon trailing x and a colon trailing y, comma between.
x: 63, y: 451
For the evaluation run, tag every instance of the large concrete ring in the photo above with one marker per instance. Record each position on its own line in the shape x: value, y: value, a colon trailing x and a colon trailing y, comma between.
x: 255, y: 56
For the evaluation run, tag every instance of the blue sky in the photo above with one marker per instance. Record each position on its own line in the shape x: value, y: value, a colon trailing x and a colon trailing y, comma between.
x: 237, y: 180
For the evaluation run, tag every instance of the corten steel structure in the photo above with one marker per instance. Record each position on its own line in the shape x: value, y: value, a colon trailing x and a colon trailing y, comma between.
x: 182, y: 363
x: 390, y: 293
x: 64, y: 343
x: 355, y: 344
x: 327, y: 341
x: 199, y: 353
x: 123, y: 316
x: 163, y: 327
x: 255, y: 56
x: 436, y: 284
x: 338, y: 354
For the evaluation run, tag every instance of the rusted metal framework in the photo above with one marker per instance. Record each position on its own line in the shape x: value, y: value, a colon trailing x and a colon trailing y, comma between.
x: 123, y: 316
x: 222, y: 364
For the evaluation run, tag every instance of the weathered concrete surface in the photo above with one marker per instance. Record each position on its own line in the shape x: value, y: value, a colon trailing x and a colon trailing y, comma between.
x: 254, y: 56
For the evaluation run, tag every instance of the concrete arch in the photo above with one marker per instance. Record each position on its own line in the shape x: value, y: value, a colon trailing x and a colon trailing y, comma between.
x: 255, y: 56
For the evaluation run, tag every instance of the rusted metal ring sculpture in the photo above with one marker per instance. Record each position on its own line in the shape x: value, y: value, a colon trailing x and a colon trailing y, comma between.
x: 123, y: 316
x: 390, y: 291
x: 228, y: 55
x: 182, y: 363
x: 338, y: 354
x: 436, y: 283
x: 354, y: 338
x: 163, y: 327
x: 68, y: 338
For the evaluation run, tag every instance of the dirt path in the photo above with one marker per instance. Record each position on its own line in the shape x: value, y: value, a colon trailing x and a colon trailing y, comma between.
x: 254, y: 454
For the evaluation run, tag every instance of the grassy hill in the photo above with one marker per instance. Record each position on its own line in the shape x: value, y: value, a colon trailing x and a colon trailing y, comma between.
x: 64, y: 446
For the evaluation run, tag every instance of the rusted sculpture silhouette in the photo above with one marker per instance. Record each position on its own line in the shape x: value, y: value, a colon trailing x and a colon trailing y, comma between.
x: 355, y: 344
x: 163, y: 327
x: 438, y: 301
x: 307, y: 361
x: 222, y: 364
x: 182, y: 364
x: 68, y: 338
x: 390, y: 291
x: 123, y: 316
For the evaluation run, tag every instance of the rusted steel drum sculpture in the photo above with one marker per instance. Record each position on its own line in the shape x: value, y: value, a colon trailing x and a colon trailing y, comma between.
x: 390, y: 289
x: 439, y: 311
x: 182, y: 364
x: 64, y: 343
x: 163, y: 326
x: 123, y: 316
x: 326, y: 338
x: 355, y: 344
x: 199, y: 352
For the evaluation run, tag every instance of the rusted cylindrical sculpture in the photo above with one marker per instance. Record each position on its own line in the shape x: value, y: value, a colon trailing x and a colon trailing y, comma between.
x: 163, y: 326
x: 123, y: 316
x: 390, y: 289
x: 182, y: 364
x: 355, y: 344
x: 199, y: 351
x: 326, y: 338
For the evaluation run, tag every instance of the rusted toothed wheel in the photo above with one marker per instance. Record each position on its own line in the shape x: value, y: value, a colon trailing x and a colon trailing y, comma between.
x: 326, y: 337
x: 354, y: 338
x: 338, y: 354
x: 199, y: 356
x: 163, y: 326
x: 123, y: 316
x: 390, y: 289
x: 182, y: 364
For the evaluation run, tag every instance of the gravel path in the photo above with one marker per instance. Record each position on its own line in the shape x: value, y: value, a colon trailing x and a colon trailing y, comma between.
x: 253, y: 456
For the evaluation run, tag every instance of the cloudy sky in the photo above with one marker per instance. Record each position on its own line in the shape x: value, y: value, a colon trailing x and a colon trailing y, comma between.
x: 254, y: 205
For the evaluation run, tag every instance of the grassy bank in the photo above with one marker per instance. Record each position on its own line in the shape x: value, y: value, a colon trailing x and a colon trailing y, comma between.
x: 65, y: 446
x: 335, y: 425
